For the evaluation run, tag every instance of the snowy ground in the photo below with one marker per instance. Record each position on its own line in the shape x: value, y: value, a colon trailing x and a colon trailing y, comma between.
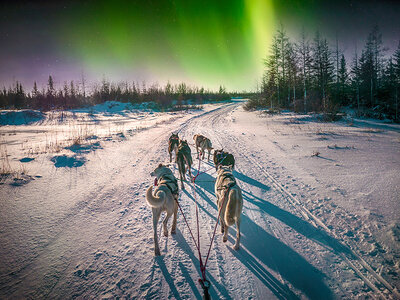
x: 320, y: 218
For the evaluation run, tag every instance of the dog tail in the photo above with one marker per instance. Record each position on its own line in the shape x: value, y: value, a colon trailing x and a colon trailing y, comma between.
x: 155, y: 201
x: 233, y: 207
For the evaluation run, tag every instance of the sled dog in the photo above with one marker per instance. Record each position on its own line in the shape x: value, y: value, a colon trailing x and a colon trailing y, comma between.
x: 173, y: 144
x: 223, y: 158
x: 184, y: 160
x: 164, y: 198
x: 203, y: 143
x: 229, y: 202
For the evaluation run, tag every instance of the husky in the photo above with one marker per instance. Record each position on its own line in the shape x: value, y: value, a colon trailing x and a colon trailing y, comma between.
x: 203, y: 143
x: 173, y: 144
x: 183, y: 159
x: 164, y: 198
x: 223, y: 158
x: 229, y: 202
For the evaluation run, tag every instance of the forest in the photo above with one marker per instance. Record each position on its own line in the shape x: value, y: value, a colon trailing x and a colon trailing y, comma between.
x: 310, y: 75
x: 75, y: 94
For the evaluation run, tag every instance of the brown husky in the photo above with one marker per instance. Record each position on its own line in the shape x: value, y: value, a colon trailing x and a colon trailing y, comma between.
x: 164, y: 198
x: 229, y: 201
x: 203, y: 143
x: 184, y: 159
x: 173, y: 144
x: 223, y: 158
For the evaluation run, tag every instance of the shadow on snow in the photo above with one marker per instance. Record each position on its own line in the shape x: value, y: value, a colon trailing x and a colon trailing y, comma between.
x: 257, y: 245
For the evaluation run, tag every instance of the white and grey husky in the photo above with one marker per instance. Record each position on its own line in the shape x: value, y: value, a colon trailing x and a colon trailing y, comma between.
x: 229, y: 201
x: 164, y: 198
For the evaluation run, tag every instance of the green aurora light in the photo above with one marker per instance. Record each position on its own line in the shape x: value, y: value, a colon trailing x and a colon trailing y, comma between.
x: 205, y: 43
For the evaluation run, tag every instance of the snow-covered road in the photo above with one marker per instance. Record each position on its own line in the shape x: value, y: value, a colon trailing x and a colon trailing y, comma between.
x: 87, y: 232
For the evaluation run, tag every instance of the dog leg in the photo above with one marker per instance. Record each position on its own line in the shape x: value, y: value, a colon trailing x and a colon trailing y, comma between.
x: 224, y: 228
x: 237, y: 244
x: 222, y: 225
x: 176, y: 154
x: 181, y: 176
x: 165, y: 223
x: 225, y: 236
x: 190, y: 170
x: 156, y: 216
x: 170, y: 156
x: 173, y: 229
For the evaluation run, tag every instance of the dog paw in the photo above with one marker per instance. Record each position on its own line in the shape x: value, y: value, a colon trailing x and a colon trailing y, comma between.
x: 157, y: 252
x: 222, y: 229
x: 166, y: 233
x: 225, y: 239
x: 236, y: 247
x: 173, y: 231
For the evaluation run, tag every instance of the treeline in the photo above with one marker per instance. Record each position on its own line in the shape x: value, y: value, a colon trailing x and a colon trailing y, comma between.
x: 73, y: 95
x: 308, y: 75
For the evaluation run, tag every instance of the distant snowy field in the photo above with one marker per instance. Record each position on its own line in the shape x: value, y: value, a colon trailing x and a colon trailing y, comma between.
x: 321, y: 216
x: 68, y: 135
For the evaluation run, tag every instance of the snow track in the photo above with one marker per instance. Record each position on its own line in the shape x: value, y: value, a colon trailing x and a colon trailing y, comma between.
x: 91, y: 234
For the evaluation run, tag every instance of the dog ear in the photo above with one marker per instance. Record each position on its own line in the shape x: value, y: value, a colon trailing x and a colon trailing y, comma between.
x: 160, y: 165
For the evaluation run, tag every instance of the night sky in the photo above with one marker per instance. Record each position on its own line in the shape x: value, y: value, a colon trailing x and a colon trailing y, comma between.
x: 205, y: 43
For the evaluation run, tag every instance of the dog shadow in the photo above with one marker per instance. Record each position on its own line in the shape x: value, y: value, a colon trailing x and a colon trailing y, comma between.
x: 298, y: 224
x: 281, y: 291
x: 250, y: 181
x: 281, y: 258
x: 215, y: 285
x: 206, y: 182
x: 161, y: 264
x: 201, y: 206
x: 257, y: 245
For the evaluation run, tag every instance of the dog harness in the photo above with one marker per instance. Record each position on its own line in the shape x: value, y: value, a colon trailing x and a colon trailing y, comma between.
x: 227, y: 180
x: 170, y: 181
x: 220, y: 159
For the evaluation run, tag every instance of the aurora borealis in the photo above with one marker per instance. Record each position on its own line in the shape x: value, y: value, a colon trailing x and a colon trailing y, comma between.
x: 205, y: 43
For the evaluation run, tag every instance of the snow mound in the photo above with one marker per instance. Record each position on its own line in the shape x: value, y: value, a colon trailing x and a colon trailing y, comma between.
x: 116, y: 107
x: 62, y: 161
x: 20, y: 117
x: 84, y: 148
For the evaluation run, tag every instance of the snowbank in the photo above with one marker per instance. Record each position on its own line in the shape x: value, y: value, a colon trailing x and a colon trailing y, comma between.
x: 20, y: 117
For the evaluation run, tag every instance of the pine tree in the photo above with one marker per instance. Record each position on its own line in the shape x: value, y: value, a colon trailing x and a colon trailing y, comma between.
x: 282, y: 47
x: 305, y: 65
x: 322, y: 67
x: 342, y: 80
x: 50, y: 86
x: 35, y: 91
x: 396, y: 65
x: 355, y: 78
